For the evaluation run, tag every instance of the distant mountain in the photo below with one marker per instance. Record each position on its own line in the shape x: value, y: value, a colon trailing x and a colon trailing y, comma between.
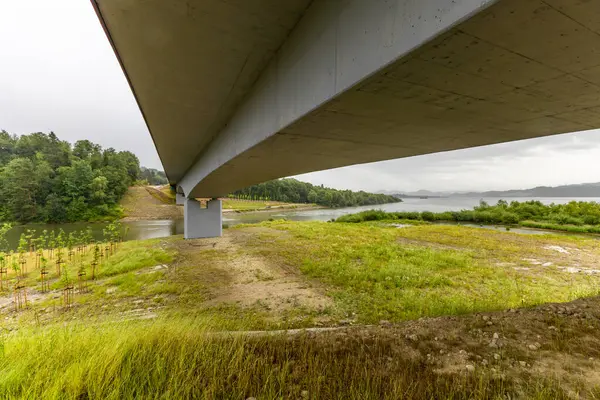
x: 417, y: 194
x: 579, y: 190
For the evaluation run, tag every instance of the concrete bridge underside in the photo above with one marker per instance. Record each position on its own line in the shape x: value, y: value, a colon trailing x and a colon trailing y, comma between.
x: 237, y: 92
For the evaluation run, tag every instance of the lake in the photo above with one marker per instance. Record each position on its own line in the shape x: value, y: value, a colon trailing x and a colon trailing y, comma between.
x: 139, y: 230
x: 431, y: 204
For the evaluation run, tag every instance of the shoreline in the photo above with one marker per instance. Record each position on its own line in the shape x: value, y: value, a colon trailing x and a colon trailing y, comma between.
x: 275, y: 208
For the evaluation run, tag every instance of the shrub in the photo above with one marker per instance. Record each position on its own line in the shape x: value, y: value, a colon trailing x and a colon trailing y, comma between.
x: 591, y: 220
x: 428, y: 216
x: 510, y: 218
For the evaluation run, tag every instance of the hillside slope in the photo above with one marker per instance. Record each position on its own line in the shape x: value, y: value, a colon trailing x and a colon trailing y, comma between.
x: 147, y: 202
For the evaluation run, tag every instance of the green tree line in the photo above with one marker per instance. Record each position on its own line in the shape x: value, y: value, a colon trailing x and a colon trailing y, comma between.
x: 43, y: 178
x: 151, y: 176
x: 293, y: 191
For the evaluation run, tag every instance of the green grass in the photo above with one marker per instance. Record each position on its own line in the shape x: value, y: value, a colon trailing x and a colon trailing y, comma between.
x: 134, y: 255
x: 396, y: 274
x: 178, y: 359
x: 129, y: 256
x: 371, y: 270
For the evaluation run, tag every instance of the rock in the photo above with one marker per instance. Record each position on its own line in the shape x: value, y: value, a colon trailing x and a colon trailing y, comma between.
x: 470, y: 367
x: 304, y: 394
x: 384, y: 322
x: 111, y: 290
x: 345, y: 322
x: 496, y: 336
x: 497, y: 356
x: 522, y: 363
x: 462, y: 352
x: 442, y: 351
x: 251, y: 398
x: 484, y: 362
x: 489, y: 323
x: 552, y: 328
x: 485, y: 318
x: 532, y: 347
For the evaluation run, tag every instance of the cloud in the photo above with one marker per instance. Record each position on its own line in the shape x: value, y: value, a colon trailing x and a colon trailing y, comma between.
x: 59, y: 73
x: 551, y: 160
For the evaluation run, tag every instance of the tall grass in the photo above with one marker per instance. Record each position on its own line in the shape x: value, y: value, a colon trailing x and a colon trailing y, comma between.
x: 178, y: 359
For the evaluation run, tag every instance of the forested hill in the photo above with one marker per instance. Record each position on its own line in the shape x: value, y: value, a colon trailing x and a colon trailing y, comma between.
x: 43, y: 178
x: 153, y: 176
x: 293, y: 191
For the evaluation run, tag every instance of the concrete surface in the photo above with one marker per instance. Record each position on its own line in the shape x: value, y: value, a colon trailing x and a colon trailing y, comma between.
x: 237, y: 92
x: 202, y: 222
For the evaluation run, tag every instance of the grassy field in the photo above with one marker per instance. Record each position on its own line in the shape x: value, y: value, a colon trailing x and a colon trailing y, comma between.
x: 376, y: 272
x: 166, y: 317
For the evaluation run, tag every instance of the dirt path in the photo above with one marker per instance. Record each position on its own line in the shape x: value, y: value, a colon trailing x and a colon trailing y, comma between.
x: 247, y: 279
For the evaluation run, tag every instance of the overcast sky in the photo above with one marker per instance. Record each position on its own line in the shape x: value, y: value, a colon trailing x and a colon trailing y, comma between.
x: 58, y: 72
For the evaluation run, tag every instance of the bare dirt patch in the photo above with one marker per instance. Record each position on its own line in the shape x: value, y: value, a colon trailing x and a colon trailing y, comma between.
x: 247, y: 279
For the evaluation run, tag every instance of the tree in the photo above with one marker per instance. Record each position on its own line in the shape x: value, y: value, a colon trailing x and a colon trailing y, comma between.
x: 55, y: 210
x: 98, y: 189
x: 292, y: 190
x: 19, y: 188
x: 43, y: 179
x: 75, y: 180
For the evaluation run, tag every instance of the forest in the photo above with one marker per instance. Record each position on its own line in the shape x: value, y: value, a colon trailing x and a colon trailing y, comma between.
x: 45, y: 179
x: 293, y: 191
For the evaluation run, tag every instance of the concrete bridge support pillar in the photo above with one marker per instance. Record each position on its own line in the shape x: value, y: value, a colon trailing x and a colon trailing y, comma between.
x: 202, y: 222
x: 179, y: 199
